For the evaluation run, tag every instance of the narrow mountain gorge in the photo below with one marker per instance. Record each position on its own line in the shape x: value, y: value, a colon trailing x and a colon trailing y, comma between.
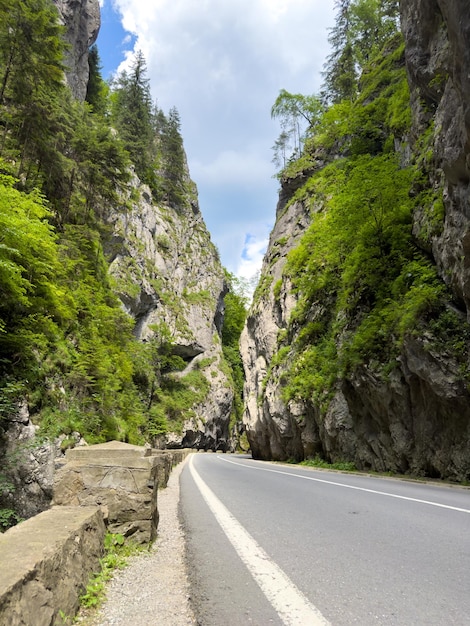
x: 356, y: 347
x: 117, y: 319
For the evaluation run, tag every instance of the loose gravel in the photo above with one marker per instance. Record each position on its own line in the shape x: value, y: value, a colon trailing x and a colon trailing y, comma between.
x: 153, y: 589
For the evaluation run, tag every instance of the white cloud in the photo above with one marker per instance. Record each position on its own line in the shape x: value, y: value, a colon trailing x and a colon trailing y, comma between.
x: 231, y: 167
x: 252, y: 256
x: 217, y: 43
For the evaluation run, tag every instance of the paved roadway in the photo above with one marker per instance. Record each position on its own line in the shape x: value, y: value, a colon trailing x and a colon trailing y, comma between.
x: 276, y: 544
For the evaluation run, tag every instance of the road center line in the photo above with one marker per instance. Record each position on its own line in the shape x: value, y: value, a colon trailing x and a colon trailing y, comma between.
x: 331, y: 482
x: 289, y: 602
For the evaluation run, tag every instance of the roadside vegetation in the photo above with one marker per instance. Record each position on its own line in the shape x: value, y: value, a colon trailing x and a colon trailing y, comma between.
x: 340, y: 466
x: 117, y: 552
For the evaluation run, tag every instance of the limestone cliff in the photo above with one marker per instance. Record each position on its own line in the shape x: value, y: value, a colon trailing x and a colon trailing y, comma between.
x: 168, y: 276
x: 81, y: 19
x: 165, y: 267
x: 272, y: 432
x: 408, y: 413
x: 437, y: 57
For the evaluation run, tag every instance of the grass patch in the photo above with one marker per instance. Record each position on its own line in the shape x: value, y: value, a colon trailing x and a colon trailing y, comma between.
x: 342, y: 466
x: 117, y: 553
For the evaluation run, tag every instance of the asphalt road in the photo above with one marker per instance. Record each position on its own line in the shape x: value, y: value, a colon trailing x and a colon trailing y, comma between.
x: 276, y: 544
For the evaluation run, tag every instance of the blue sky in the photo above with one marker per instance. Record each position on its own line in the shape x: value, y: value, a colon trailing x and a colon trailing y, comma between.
x: 222, y: 63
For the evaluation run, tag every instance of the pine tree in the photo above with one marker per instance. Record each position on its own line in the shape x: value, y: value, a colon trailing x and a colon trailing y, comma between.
x: 101, y: 164
x: 31, y: 48
x: 361, y: 29
x: 173, y: 160
x: 340, y: 68
x: 96, y: 88
x: 31, y: 82
x: 132, y: 115
x: 369, y: 30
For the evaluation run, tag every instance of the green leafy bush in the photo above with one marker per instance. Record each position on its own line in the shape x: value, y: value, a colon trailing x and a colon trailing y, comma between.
x: 234, y: 321
x: 117, y: 553
x: 8, y: 518
x: 341, y: 466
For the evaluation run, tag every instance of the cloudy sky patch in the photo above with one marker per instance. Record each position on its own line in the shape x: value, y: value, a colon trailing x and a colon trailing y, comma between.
x: 233, y: 168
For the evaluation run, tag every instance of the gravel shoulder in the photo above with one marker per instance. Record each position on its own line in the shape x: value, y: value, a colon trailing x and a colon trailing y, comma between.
x: 153, y: 589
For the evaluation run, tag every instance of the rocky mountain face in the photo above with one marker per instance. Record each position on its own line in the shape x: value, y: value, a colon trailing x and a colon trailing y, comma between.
x: 29, y: 467
x: 437, y: 38
x: 81, y: 19
x: 166, y: 269
x: 416, y: 418
x: 271, y: 427
x: 168, y: 276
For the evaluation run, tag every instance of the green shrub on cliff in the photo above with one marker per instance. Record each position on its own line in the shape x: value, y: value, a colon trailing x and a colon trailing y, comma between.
x: 362, y: 281
x: 234, y: 321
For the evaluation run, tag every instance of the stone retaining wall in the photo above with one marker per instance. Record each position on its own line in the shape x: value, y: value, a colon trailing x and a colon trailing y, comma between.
x: 46, y: 561
x: 121, y: 479
x: 45, y: 565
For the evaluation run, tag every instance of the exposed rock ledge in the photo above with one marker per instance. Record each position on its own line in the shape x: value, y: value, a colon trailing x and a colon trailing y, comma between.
x: 416, y: 420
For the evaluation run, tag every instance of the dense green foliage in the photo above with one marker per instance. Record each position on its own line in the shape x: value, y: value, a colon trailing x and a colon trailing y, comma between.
x: 31, y: 62
x: 363, y: 282
x: 66, y: 345
x: 8, y: 516
x: 359, y: 259
x: 97, y: 90
x: 361, y: 30
x: 152, y: 139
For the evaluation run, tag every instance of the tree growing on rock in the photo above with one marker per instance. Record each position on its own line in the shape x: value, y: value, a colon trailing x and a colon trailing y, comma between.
x: 298, y: 115
x: 361, y: 29
x: 131, y: 115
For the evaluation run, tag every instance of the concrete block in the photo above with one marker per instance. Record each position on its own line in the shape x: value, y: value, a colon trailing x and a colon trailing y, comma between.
x: 46, y: 563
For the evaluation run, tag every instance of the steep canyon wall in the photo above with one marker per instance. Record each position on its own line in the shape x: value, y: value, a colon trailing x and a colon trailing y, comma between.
x: 81, y: 19
x: 168, y: 276
x: 410, y: 413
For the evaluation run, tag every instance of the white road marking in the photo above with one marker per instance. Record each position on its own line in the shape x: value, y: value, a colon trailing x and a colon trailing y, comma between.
x: 292, y: 606
x: 335, y: 484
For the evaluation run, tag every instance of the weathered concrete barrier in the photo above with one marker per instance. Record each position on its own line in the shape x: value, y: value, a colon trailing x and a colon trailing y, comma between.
x: 122, y: 480
x: 45, y: 565
x: 46, y: 562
